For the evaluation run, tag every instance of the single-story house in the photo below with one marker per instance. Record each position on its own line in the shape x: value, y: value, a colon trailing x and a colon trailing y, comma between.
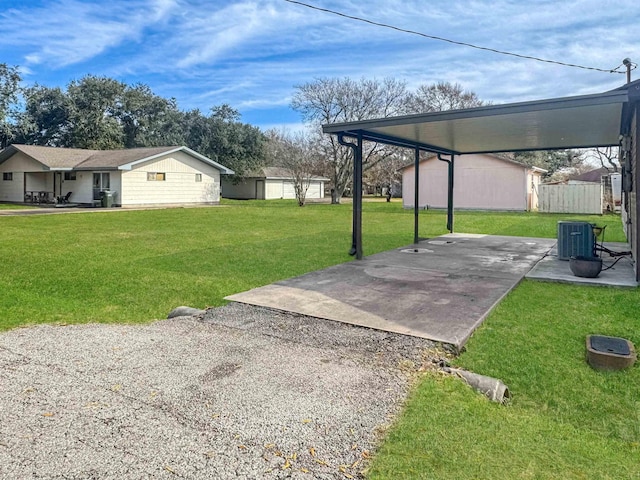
x: 270, y: 183
x: 482, y: 181
x: 135, y: 177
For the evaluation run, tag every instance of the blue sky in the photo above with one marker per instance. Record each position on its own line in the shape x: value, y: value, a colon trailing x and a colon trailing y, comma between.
x: 251, y: 53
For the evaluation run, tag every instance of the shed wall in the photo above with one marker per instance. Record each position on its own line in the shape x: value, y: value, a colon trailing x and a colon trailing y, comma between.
x: 480, y: 182
x: 273, y: 189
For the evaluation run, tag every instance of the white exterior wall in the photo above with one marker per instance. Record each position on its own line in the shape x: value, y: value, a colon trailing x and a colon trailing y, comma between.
x: 276, y: 189
x: 273, y: 189
x: 316, y: 190
x: 82, y: 187
x: 243, y: 190
x: 481, y: 182
x: 12, y: 190
x: 179, y: 186
x: 18, y: 164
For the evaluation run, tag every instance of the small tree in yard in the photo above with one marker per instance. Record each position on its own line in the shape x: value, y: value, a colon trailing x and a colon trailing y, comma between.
x: 330, y: 100
x: 294, y: 152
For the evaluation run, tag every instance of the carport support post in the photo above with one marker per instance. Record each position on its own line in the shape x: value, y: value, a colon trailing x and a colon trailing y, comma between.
x: 356, y: 235
x: 450, y: 198
x: 357, y: 198
x: 449, y: 191
x: 416, y: 196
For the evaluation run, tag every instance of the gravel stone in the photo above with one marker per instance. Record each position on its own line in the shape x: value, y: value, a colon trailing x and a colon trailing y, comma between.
x: 236, y: 392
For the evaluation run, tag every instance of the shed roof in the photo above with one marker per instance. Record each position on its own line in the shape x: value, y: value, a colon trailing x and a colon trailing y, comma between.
x: 559, y: 123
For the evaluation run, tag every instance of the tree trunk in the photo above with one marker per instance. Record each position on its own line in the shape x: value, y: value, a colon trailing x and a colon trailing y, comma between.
x: 335, y: 197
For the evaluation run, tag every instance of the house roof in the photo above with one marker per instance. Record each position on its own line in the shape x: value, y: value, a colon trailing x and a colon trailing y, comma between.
x: 50, y: 157
x: 57, y: 158
x: 593, y: 176
x: 499, y: 156
x: 551, y: 124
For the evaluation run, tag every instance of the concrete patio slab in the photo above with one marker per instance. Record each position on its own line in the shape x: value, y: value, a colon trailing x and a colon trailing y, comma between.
x: 551, y: 269
x: 440, y: 289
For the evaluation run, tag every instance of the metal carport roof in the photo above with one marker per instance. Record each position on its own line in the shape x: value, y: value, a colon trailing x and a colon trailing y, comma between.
x: 550, y: 124
x: 559, y: 123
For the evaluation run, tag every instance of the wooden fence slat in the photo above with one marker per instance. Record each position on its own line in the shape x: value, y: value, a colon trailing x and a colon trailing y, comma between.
x: 572, y: 198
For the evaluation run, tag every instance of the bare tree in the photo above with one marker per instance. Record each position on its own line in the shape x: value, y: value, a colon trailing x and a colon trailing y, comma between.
x: 442, y: 96
x: 294, y: 152
x: 607, y: 156
x: 331, y: 100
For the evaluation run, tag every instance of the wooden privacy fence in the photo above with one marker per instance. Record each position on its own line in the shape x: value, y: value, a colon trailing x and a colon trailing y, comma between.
x: 578, y: 198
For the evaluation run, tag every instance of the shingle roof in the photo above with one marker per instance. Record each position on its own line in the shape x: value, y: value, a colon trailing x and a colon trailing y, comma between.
x: 117, y: 158
x: 82, y: 159
x: 54, y: 157
x: 594, y: 176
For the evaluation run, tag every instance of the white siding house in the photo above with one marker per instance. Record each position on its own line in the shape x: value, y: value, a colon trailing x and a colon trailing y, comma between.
x: 270, y: 183
x: 481, y: 181
x: 135, y: 177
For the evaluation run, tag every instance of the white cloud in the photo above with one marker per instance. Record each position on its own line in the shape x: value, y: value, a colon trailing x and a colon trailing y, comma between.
x: 251, y: 53
x: 66, y: 32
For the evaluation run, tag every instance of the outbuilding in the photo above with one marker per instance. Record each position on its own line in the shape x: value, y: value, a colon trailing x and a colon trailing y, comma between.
x: 270, y: 183
x: 131, y: 177
x: 482, y: 181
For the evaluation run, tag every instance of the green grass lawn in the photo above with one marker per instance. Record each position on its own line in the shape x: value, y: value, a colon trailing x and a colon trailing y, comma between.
x: 565, y: 420
x: 134, y: 266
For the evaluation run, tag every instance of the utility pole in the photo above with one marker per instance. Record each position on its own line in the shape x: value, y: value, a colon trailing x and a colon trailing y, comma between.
x: 627, y: 63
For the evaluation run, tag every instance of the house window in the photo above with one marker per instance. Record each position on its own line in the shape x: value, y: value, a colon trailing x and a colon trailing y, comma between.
x: 69, y: 175
x: 7, y: 176
x: 198, y: 177
x: 155, y: 177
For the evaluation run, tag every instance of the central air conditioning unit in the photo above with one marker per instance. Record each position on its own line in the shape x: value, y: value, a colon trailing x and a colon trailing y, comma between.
x: 575, y: 239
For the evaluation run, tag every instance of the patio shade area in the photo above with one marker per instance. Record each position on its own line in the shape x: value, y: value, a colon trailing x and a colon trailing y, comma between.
x: 440, y: 289
x: 597, y: 120
x: 560, y: 123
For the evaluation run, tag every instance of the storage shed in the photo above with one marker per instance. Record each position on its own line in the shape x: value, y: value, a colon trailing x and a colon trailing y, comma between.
x: 270, y: 183
x: 482, y: 181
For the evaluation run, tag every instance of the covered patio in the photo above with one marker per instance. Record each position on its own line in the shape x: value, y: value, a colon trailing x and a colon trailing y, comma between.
x: 443, y: 288
x: 598, y: 120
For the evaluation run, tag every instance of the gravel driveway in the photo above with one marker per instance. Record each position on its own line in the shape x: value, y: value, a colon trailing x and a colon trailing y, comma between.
x: 241, y: 392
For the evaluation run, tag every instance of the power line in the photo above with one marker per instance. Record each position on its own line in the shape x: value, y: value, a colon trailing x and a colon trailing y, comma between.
x: 464, y: 44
